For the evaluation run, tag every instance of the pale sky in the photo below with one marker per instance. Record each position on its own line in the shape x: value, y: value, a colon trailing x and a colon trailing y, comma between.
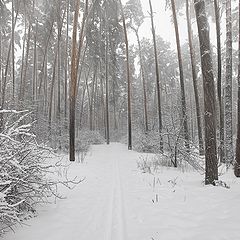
x: 163, y: 25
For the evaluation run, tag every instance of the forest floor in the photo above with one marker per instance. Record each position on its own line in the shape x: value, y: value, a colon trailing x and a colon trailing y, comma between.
x: 117, y: 201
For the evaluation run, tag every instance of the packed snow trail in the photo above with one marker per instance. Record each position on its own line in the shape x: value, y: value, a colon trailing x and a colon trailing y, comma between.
x: 118, y: 202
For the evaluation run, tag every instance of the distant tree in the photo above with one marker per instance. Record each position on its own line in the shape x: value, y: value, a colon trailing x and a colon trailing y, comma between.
x: 160, y: 126
x: 180, y: 65
x: 219, y: 79
x: 73, y: 85
x: 194, y: 78
x: 237, y: 160
x: 228, y: 89
x: 128, y: 80
x: 135, y: 17
x: 211, y: 168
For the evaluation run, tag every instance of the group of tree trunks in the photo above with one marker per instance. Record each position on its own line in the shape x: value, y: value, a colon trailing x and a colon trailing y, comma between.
x: 214, y: 132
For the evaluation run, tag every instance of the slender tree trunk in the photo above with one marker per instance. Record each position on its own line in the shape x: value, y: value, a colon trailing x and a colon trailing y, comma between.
x: 35, y: 64
x: 22, y: 62
x: 103, y: 102
x: 194, y: 78
x: 73, y: 85
x: 180, y: 64
x: 59, y: 76
x: 4, y: 76
x: 66, y: 65
x: 13, y: 52
x: 1, y: 78
x: 128, y: 81
x: 45, y: 86
x: 157, y: 79
x: 228, y: 96
x: 24, y: 79
x: 1, y: 57
x: 237, y: 162
x: 91, y: 99
x: 81, y: 34
x: 82, y: 105
x: 107, y: 90
x: 143, y: 82
x: 219, y: 80
x: 44, y: 59
x: 211, y: 168
x: 52, y: 93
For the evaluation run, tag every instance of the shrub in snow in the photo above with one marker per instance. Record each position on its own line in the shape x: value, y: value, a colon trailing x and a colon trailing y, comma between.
x: 85, y: 139
x: 150, y: 164
x: 147, y: 142
x: 24, y: 174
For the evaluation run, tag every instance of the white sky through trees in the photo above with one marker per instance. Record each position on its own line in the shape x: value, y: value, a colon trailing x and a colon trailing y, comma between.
x: 164, y: 26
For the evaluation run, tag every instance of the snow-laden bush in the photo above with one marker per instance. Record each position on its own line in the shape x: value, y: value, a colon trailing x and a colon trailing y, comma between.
x: 93, y: 137
x: 24, y: 172
x: 83, y: 141
x: 148, y: 142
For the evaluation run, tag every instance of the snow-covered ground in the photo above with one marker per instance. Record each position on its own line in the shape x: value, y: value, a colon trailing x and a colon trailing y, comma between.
x: 118, y: 202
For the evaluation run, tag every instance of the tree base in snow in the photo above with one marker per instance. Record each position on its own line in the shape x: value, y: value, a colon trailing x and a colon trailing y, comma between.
x: 237, y: 170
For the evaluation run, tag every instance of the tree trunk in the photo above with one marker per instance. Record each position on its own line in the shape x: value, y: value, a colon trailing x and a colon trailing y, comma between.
x: 237, y: 162
x: 24, y: 78
x: 211, y: 168
x: 228, y: 97
x: 157, y: 79
x: 143, y: 82
x: 194, y: 78
x: 34, y: 83
x: 51, y: 93
x: 13, y: 52
x: 44, y: 58
x: 107, y: 90
x: 128, y: 81
x: 73, y: 85
x: 4, y: 76
x: 91, y: 99
x: 66, y: 65
x: 219, y: 80
x: 180, y: 64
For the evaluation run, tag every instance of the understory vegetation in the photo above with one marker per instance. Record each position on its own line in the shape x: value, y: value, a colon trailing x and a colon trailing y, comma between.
x: 28, y: 173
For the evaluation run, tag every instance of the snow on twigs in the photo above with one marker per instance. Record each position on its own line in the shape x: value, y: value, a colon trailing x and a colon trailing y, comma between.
x: 27, y: 177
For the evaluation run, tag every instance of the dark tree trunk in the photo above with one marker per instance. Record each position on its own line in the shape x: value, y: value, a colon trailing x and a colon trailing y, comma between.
x: 237, y: 162
x: 157, y: 79
x: 24, y: 78
x: 13, y: 52
x: 211, y: 168
x: 194, y: 78
x: 34, y: 80
x: 143, y: 82
x: 228, y: 94
x: 51, y: 93
x: 219, y: 80
x: 4, y: 76
x: 128, y: 81
x: 66, y: 65
x: 107, y: 90
x: 44, y: 59
x: 180, y: 64
x: 73, y: 85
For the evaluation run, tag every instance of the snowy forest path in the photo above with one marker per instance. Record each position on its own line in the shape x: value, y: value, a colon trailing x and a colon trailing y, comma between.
x: 96, y: 208
x: 117, y: 201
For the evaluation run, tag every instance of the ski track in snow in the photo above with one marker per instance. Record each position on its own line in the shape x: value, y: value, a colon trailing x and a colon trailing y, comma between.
x: 118, y: 202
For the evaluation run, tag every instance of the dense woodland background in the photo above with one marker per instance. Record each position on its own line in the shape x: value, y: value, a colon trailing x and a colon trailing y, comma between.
x: 75, y: 73
x: 71, y: 65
